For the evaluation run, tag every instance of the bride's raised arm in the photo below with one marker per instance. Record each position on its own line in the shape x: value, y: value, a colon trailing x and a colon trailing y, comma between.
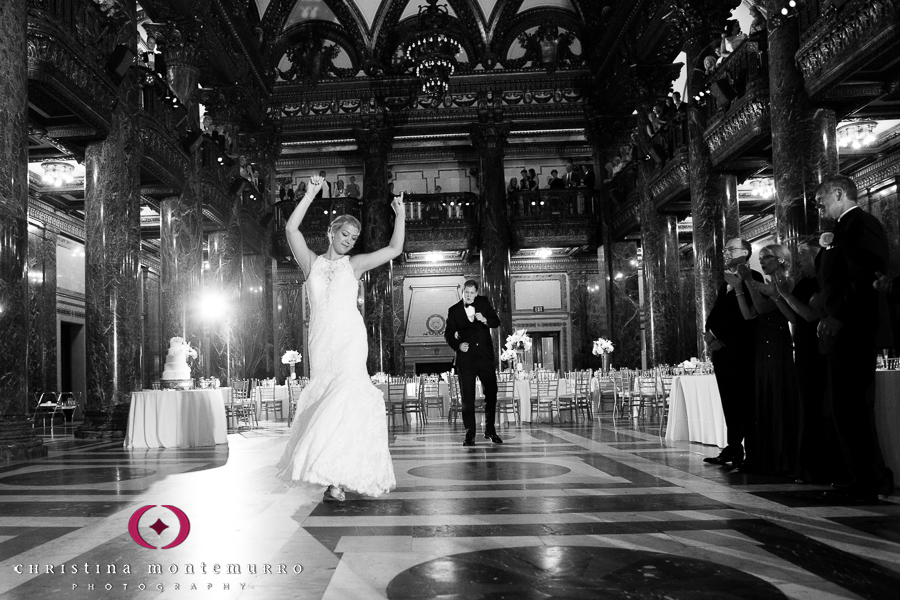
x: 363, y: 262
x: 302, y: 254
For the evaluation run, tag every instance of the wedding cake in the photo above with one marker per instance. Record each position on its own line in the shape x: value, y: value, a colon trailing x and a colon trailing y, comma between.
x: 177, y: 368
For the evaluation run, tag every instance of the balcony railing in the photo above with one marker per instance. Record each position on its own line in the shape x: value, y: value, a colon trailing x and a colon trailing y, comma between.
x: 745, y: 70
x: 439, y: 209
x: 84, y: 22
x: 552, y: 204
x: 320, y: 214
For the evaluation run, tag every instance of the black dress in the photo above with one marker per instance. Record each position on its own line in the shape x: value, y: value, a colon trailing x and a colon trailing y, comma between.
x: 774, y: 447
x: 819, y: 459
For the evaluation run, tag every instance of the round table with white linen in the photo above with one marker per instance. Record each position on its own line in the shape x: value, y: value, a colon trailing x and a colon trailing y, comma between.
x: 695, y: 411
x: 176, y: 419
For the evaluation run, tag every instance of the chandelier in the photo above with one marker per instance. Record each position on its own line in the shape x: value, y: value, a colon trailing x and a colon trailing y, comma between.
x: 432, y: 51
x: 856, y: 134
x: 762, y: 188
x: 57, y: 172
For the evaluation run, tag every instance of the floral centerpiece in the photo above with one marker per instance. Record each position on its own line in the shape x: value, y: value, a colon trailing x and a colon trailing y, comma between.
x: 291, y: 357
x: 603, y: 348
x: 514, y: 352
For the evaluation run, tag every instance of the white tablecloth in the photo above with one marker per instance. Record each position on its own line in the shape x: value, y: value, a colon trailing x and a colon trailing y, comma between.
x: 887, y: 417
x: 176, y: 419
x: 281, y: 393
x: 695, y: 411
x: 522, y: 391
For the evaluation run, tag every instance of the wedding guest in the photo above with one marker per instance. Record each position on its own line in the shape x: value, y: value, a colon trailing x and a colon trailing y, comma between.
x: 325, y: 190
x: 729, y: 337
x: 774, y: 448
x: 818, y: 455
x: 352, y: 189
x: 513, y: 186
x: 848, y: 326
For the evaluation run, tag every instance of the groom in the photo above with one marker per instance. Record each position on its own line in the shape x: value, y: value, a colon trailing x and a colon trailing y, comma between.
x: 468, y: 332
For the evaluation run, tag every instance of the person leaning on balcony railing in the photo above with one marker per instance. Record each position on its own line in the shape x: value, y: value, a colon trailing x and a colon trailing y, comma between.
x: 731, y: 40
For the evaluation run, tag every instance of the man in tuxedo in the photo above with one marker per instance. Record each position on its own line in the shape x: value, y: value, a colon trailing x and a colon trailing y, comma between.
x: 849, y: 323
x: 468, y: 332
x: 571, y: 179
x: 325, y: 190
x: 729, y: 337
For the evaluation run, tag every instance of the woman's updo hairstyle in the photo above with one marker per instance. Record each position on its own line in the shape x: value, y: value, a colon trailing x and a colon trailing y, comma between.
x: 781, y: 254
x: 340, y: 221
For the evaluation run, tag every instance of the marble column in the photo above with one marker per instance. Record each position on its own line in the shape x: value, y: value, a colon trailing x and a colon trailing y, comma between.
x: 14, y: 396
x: 181, y: 263
x: 625, y: 301
x: 730, y: 207
x: 42, y: 338
x: 599, y: 132
x: 489, y: 140
x: 112, y: 278
x: 804, y: 148
x: 662, y: 293
x: 378, y: 226
x: 709, y: 231
x: 224, y: 279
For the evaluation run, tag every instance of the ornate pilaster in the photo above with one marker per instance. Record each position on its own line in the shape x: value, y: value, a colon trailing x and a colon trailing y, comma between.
x: 803, y: 139
x: 13, y: 208
x: 42, y: 343
x: 374, y: 144
x: 489, y: 140
x: 730, y: 207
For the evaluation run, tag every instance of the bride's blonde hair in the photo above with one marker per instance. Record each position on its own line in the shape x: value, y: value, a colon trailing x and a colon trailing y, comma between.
x: 340, y: 221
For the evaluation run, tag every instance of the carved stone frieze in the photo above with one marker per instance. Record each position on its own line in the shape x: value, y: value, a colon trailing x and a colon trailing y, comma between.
x: 625, y: 220
x: 421, y: 237
x: 844, y: 38
x: 742, y: 123
x: 557, y: 232
x: 55, y: 63
x: 763, y: 227
x: 42, y: 212
x: 674, y: 179
x: 216, y: 201
x: 878, y: 172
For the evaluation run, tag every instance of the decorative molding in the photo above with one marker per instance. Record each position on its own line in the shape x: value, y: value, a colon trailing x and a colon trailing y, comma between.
x: 625, y: 220
x: 40, y: 211
x: 53, y: 62
x: 844, y: 39
x: 555, y: 232
x: 674, y: 179
x: 761, y: 228
x: 161, y: 156
x: 750, y: 119
x: 878, y: 172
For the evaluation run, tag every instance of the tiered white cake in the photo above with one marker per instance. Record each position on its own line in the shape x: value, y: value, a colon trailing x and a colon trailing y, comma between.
x: 176, y: 360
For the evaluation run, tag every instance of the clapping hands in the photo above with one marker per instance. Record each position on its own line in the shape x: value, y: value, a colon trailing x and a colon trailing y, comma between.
x: 732, y: 279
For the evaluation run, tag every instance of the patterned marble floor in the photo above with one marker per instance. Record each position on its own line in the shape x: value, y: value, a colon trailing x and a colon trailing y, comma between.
x: 607, y: 510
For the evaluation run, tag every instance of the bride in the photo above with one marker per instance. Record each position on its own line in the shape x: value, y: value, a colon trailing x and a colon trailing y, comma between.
x: 339, y: 437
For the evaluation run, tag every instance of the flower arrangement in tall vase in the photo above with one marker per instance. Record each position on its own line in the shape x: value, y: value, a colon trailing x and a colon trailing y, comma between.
x: 291, y: 357
x: 514, y: 353
x: 603, y: 348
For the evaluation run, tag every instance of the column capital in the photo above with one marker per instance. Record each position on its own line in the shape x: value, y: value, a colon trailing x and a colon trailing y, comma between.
x: 489, y: 137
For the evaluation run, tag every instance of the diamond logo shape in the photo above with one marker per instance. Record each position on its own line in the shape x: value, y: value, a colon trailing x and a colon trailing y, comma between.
x: 159, y: 527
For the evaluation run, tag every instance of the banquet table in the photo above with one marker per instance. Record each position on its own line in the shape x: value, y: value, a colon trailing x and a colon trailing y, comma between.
x: 280, y: 393
x: 522, y: 391
x: 887, y: 417
x: 695, y: 411
x: 176, y: 419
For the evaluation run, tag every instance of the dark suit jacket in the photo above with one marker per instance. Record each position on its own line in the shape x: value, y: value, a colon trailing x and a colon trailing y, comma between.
x: 476, y: 333
x: 847, y: 271
x: 557, y: 184
x: 726, y: 321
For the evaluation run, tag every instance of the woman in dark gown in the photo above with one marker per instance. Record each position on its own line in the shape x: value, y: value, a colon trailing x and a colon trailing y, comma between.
x: 775, y: 427
x: 818, y: 452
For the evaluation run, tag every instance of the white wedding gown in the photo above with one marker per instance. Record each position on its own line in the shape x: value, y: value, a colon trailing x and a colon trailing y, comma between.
x: 339, y: 433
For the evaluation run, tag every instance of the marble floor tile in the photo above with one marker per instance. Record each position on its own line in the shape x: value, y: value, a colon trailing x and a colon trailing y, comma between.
x: 602, y: 510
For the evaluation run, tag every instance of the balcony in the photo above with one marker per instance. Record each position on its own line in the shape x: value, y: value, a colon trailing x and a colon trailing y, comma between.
x: 441, y: 222
x: 737, y: 103
x: 66, y: 43
x: 541, y: 218
x: 854, y: 46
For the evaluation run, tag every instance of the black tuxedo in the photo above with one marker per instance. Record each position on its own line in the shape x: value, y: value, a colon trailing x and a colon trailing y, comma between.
x: 846, y: 273
x: 478, y: 361
x: 734, y: 364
